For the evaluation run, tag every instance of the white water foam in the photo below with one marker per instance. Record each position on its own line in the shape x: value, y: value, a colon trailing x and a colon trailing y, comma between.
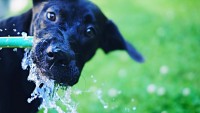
x: 47, y: 90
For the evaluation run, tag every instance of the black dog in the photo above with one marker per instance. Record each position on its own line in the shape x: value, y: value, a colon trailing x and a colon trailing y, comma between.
x: 67, y: 34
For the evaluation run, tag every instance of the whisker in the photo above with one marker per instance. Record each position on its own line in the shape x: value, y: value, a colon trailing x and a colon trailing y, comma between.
x: 52, y: 65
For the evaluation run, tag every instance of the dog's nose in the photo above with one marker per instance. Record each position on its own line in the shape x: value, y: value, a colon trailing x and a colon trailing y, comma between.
x: 58, y: 55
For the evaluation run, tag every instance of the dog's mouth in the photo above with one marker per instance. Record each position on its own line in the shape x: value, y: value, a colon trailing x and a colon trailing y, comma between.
x: 62, y: 72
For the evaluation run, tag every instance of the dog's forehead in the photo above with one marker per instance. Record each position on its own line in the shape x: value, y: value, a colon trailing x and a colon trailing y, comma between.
x: 72, y: 8
x: 66, y: 6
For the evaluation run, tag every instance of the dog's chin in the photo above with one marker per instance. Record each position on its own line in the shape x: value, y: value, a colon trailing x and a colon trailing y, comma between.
x: 65, y: 75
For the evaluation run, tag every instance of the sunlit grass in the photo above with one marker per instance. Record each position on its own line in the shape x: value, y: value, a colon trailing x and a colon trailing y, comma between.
x: 167, y: 34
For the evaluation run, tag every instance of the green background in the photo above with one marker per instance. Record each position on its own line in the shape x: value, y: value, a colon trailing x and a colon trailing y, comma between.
x: 167, y: 33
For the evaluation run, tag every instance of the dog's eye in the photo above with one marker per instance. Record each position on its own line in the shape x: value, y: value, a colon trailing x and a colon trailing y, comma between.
x: 51, y: 16
x: 90, y: 32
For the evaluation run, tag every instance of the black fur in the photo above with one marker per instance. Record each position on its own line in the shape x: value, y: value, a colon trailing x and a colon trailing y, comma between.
x: 67, y: 34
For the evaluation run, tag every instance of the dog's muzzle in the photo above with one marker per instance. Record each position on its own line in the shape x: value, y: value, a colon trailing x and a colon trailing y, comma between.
x: 55, y: 59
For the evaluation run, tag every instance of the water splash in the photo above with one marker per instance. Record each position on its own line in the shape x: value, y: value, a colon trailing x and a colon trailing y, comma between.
x: 134, y: 108
x: 15, y: 49
x: 99, y: 95
x: 15, y: 30
x: 24, y: 35
x: 46, y: 89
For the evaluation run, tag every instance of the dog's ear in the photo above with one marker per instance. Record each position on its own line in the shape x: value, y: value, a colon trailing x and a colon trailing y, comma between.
x: 113, y: 40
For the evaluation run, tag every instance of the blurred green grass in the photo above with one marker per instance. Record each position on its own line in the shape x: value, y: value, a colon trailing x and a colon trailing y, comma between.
x: 167, y: 33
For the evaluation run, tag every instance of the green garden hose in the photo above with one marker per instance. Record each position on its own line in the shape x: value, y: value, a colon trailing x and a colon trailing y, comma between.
x: 16, y: 42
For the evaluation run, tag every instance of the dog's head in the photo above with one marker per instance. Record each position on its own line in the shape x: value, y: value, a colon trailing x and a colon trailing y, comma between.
x: 68, y: 33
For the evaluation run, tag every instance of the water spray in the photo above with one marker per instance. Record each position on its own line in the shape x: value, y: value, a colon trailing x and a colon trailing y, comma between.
x: 49, y: 91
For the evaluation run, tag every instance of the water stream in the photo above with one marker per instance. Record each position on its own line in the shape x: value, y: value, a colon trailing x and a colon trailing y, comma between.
x: 57, y: 97
x: 52, y: 94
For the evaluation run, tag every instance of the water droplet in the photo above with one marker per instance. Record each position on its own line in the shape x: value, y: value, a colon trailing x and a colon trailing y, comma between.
x: 151, y: 88
x: 186, y: 91
x: 24, y: 35
x: 78, y: 92
x: 99, y: 95
x: 164, y: 112
x: 15, y: 49
x: 161, y: 91
x: 127, y: 109
x: 132, y: 100
x: 15, y: 30
x: 13, y: 24
x: 134, y: 108
x: 164, y: 70
x: 105, y: 106
x: 113, y: 92
x: 94, y: 81
x: 5, y: 29
x: 1, y: 30
x: 18, y: 33
x: 92, y: 76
